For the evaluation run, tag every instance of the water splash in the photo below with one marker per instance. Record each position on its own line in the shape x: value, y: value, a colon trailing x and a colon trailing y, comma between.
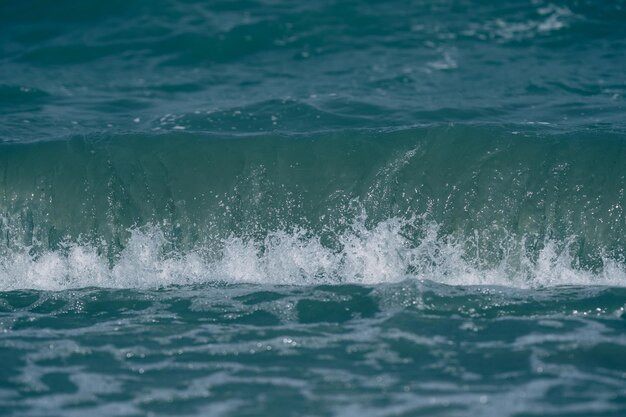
x: 382, y: 253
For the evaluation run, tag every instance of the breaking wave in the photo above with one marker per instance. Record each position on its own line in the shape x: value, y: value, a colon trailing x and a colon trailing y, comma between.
x: 455, y: 205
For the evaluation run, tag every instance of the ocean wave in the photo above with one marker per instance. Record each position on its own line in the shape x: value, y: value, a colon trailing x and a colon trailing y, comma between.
x: 493, y: 206
x: 382, y: 254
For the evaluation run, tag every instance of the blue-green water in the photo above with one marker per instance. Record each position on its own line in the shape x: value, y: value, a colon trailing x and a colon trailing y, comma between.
x: 349, y: 208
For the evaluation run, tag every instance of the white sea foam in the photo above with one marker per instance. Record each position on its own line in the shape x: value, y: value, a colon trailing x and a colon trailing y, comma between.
x: 378, y: 254
x: 547, y: 19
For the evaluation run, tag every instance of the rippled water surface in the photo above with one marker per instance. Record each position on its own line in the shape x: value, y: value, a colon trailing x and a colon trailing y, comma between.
x: 404, y: 349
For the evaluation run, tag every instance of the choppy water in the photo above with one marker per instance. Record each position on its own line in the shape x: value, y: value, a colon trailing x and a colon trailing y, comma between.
x: 336, y: 208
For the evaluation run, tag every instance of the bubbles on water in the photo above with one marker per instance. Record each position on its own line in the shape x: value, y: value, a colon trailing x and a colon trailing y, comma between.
x: 543, y: 21
x: 446, y: 62
x: 392, y: 250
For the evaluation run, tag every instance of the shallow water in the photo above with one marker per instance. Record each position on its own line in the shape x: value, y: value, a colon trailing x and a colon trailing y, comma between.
x: 336, y: 208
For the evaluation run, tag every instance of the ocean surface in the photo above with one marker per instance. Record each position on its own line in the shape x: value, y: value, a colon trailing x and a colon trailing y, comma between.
x: 327, y: 208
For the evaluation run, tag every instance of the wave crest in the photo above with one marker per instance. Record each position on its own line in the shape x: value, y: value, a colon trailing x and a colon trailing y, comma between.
x: 380, y: 254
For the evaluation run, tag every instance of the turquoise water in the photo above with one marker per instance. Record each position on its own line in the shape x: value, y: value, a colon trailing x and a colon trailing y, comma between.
x: 342, y: 208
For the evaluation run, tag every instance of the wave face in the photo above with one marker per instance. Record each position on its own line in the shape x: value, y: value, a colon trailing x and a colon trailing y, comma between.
x: 460, y: 205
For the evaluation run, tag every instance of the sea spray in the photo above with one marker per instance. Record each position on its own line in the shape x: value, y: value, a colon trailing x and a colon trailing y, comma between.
x: 376, y: 255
